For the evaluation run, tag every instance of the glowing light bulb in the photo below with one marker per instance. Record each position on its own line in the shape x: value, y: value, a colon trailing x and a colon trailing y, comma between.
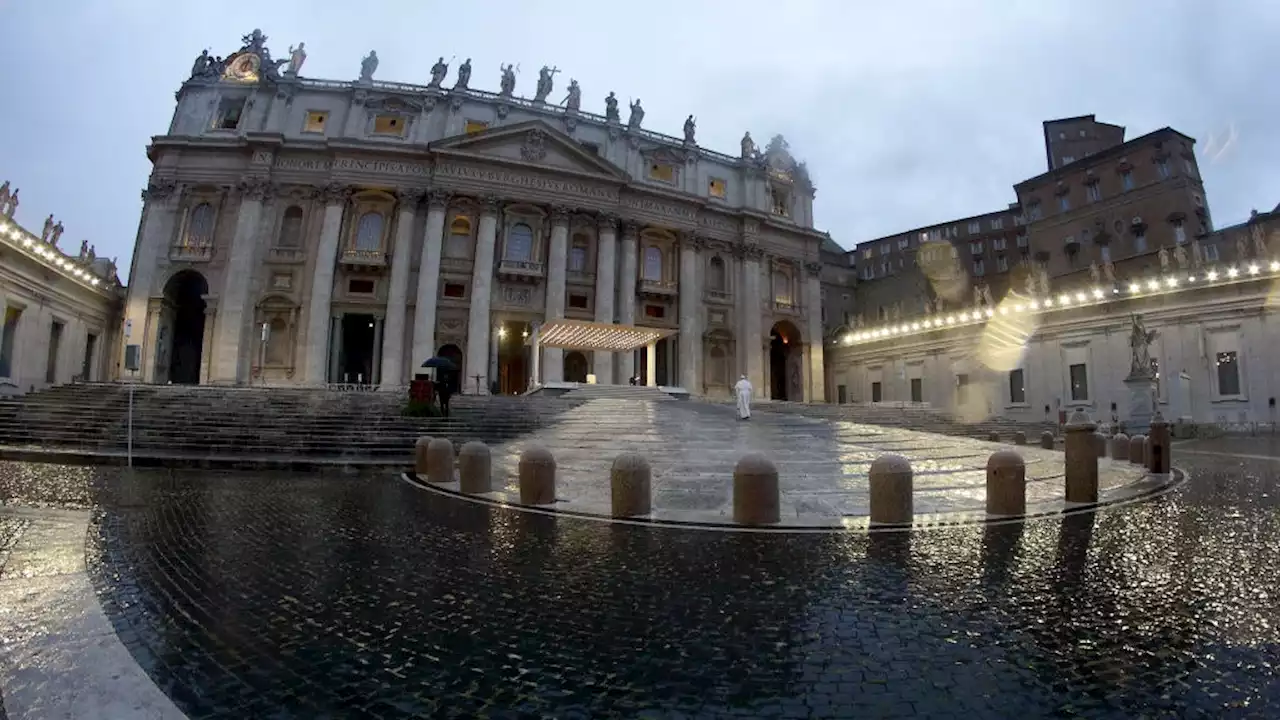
x: 1171, y: 282
x: 1153, y: 285
x: 1232, y: 272
x: 1097, y: 293
x: 1254, y: 269
x: 1213, y: 275
x: 1135, y: 288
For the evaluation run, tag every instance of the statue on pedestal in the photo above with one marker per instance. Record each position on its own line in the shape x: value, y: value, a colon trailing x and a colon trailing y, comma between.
x: 977, y: 295
x: 508, y: 85
x: 1197, y: 258
x: 1029, y: 284
x: 1140, y: 340
x: 690, y: 128
x: 1044, y: 280
x: 12, y: 207
x: 748, y: 146
x: 464, y: 75
x: 1094, y: 275
x: 203, y: 64
x: 56, y: 234
x: 573, y: 101
x: 48, y: 228
x: 637, y: 115
x: 1180, y: 256
x: 438, y: 71
x: 84, y: 249
x: 611, y: 108
x: 92, y: 254
x: 297, y: 56
x: 1109, y: 271
x: 368, y: 66
x: 1164, y: 259
x: 546, y: 81
x: 986, y: 295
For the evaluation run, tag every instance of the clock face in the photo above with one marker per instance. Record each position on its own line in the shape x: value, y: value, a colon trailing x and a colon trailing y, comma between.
x: 244, y: 68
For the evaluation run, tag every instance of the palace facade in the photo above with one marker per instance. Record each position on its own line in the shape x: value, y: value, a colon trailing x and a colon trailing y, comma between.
x: 304, y: 231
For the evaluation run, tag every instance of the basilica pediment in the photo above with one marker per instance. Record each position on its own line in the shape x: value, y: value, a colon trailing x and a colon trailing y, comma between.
x: 530, y: 143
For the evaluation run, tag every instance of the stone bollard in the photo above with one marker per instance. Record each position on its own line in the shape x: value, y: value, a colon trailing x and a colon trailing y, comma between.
x: 993, y: 436
x: 1019, y: 438
x: 1006, y: 484
x: 537, y: 469
x: 440, y: 461
x: 629, y: 485
x: 1047, y: 440
x: 1081, y: 460
x: 1159, y: 446
x: 755, y: 491
x: 1100, y: 445
x: 891, y: 482
x: 1137, y: 450
x: 475, y: 468
x: 420, y: 457
x: 1120, y: 447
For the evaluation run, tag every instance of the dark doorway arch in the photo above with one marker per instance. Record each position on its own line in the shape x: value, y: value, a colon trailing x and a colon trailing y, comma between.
x: 575, y: 367
x: 785, y: 356
x: 513, y: 357
x: 184, y: 295
x: 452, y: 353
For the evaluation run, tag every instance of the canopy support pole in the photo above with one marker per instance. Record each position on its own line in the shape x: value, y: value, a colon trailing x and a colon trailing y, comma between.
x: 535, y: 356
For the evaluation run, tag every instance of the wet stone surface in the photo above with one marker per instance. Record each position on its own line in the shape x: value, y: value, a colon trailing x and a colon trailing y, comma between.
x: 352, y: 597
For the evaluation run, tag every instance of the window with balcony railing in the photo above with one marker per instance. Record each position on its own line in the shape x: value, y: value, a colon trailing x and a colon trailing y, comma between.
x: 519, y: 243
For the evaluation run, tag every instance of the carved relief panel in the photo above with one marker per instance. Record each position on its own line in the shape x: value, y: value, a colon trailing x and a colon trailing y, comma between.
x: 278, y: 355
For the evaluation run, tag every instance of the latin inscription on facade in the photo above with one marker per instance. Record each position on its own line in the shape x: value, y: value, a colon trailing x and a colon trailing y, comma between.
x: 660, y: 208
x: 381, y: 167
x: 716, y: 222
x: 516, y: 295
x: 504, y: 177
x: 302, y: 164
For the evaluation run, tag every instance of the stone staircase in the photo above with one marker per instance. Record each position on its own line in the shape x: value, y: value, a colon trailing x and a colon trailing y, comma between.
x: 258, y: 426
x: 914, y: 417
x: 618, y: 392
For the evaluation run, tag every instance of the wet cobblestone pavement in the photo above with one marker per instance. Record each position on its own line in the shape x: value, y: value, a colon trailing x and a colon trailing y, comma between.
x: 249, y: 595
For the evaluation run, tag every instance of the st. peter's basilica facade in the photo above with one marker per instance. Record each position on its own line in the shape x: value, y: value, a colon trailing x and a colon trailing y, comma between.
x: 302, y: 231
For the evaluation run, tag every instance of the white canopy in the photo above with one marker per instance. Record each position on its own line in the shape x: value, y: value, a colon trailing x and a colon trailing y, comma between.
x: 585, y: 335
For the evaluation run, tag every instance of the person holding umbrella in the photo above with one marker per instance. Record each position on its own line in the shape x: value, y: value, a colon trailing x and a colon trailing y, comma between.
x: 446, y: 371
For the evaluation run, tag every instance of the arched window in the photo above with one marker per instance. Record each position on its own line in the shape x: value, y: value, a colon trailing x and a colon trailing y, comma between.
x: 719, y: 369
x: 459, y: 237
x: 716, y: 274
x: 200, y: 226
x: 578, y: 253
x: 520, y: 243
x: 781, y: 287
x: 369, y: 232
x: 290, y: 228
x: 653, y: 263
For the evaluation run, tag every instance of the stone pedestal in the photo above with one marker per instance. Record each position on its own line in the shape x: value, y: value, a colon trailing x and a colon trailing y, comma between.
x: 1081, y: 460
x: 892, y: 482
x: 629, y: 486
x: 475, y: 468
x: 1159, y: 453
x: 1138, y: 449
x: 1142, y: 403
x: 756, y: 498
x: 1006, y: 484
x: 421, y: 459
x: 537, y: 473
x: 1120, y: 447
x: 440, y: 461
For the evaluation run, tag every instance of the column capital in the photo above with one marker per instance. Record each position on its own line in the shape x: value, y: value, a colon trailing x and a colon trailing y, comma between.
x: 559, y: 215
x: 490, y: 204
x: 438, y: 199
x: 159, y: 189
x: 814, y: 268
x: 410, y: 197
x: 630, y: 228
x: 607, y: 222
x: 335, y: 194
x: 254, y: 188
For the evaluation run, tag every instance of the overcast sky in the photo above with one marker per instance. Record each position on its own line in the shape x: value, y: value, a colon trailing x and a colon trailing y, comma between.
x: 908, y: 112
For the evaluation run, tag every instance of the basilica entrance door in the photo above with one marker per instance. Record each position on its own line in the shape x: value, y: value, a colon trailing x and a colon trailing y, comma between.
x: 184, y: 294
x: 356, y: 355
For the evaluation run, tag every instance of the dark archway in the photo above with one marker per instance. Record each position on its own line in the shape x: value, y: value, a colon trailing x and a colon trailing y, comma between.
x: 513, y: 363
x: 452, y: 353
x: 184, y: 294
x: 785, y: 356
x: 575, y: 367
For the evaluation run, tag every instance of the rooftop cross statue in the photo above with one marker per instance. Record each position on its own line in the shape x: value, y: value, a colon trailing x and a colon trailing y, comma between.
x: 573, y: 101
x: 1140, y: 340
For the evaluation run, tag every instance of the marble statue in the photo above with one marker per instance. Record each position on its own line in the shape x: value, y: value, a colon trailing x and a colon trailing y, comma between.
x: 368, y: 66
x: 438, y: 71
x: 1094, y: 275
x: 48, y: 228
x: 748, y: 146
x: 297, y: 56
x: 1109, y: 271
x: 897, y: 310
x: 742, y: 391
x: 573, y: 101
x: 611, y: 108
x: 1164, y: 259
x: 508, y: 85
x: 4, y: 194
x: 546, y: 82
x: 12, y: 207
x: 464, y: 75
x: 1030, y: 283
x: 55, y: 234
x: 84, y: 249
x: 1197, y: 257
x: 986, y: 295
x: 92, y: 254
x: 1044, y: 280
x: 1242, y: 248
x: 1180, y: 256
x: 1260, y: 250
x: 1140, y: 340
x: 690, y: 128
x: 637, y: 115
x: 977, y: 295
x: 202, y: 65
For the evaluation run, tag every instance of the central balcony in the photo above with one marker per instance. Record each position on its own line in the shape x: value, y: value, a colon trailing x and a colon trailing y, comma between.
x: 191, y: 253
x: 525, y: 270
x: 353, y: 257
x: 718, y: 296
x: 786, y: 308
x: 658, y: 288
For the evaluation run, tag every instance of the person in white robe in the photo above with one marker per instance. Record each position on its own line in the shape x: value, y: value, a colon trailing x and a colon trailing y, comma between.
x: 743, y: 391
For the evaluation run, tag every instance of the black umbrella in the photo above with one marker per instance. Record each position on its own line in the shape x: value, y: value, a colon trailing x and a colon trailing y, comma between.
x: 440, y: 363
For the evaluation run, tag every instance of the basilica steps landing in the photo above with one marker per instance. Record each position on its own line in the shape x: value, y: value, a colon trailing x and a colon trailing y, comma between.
x: 910, y: 416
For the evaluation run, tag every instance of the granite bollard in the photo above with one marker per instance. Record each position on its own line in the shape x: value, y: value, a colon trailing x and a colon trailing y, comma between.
x: 630, y: 481
x: 1047, y: 440
x: 993, y: 436
x: 1019, y: 438
x: 1081, y: 464
x: 1006, y: 483
x: 756, y: 498
x: 537, y: 471
x: 475, y: 468
x: 1120, y: 447
x: 421, y: 459
x: 1159, y: 446
x: 440, y: 461
x: 1138, y: 450
x: 891, y: 480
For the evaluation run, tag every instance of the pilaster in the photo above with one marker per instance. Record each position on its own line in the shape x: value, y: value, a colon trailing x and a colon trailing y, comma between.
x: 424, y: 308
x: 816, y: 389
x: 481, y: 281
x: 557, y: 259
x: 155, y: 234
x: 690, y: 305
x: 318, y: 315
x: 397, y: 294
x: 234, y: 324
x: 627, y: 293
x: 606, y: 271
x: 750, y: 321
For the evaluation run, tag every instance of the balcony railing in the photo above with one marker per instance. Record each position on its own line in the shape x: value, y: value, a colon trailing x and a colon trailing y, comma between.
x: 657, y: 287
x: 191, y: 253
x: 285, y: 255
x: 785, y: 307
x: 521, y: 268
x: 581, y: 277
x: 448, y: 263
x: 366, y: 258
x: 719, y: 296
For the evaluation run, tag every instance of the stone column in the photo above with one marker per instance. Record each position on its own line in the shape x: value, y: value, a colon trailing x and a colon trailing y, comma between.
x: 816, y: 391
x: 690, y: 307
x: 606, y: 262
x: 424, y: 309
x: 535, y: 356
x: 335, y: 350
x: 749, y: 306
x: 379, y: 339
x: 481, y: 281
x: 318, y: 316
x: 398, y: 293
x: 557, y: 258
x: 627, y: 293
x: 227, y: 365
x: 155, y: 235
x: 651, y: 365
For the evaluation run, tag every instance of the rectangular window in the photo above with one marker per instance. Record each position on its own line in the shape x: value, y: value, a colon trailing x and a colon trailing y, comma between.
x: 662, y: 172
x: 1002, y: 264
x: 997, y: 223
x: 229, y: 114
x: 474, y: 126
x: 1106, y: 254
x: 1139, y: 241
x: 1079, y: 378
x: 8, y: 339
x: 979, y: 267
x: 1033, y: 211
x: 875, y: 392
x: 976, y: 247
x: 781, y: 202
x: 999, y: 244
x: 716, y: 188
x: 454, y: 290
x: 360, y: 287
x: 578, y: 301
x: 1179, y: 232
x: 868, y: 253
x: 1211, y: 252
x: 655, y: 311
x: 1017, y: 387
x: 917, y: 390
x: 55, y: 345
x: 90, y: 349
x: 1126, y: 180
x: 1068, y: 159
x: 1228, y: 372
x: 904, y: 242
x: 1093, y: 192
x: 868, y: 273
x: 1022, y: 241
x: 1064, y: 203
x: 975, y: 227
x: 885, y: 249
x: 315, y: 121
x: 389, y: 125
x: 1163, y: 167
x: 577, y: 259
x: 1189, y: 167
